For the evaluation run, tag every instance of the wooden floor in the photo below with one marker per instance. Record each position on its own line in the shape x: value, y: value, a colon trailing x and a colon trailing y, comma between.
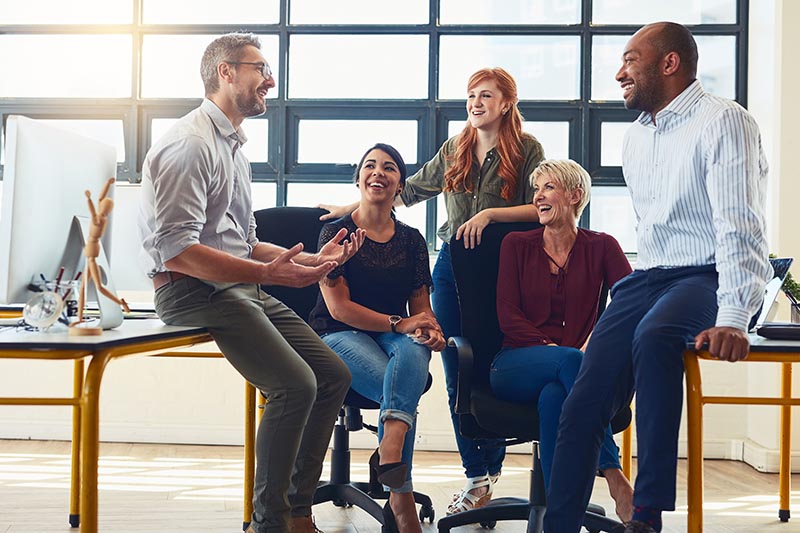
x: 164, y: 488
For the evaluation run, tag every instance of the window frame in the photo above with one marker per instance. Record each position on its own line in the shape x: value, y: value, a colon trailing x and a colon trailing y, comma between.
x: 584, y: 115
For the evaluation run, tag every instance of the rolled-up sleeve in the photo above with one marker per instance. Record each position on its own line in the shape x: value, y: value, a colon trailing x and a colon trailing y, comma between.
x: 428, y: 181
x: 180, y: 173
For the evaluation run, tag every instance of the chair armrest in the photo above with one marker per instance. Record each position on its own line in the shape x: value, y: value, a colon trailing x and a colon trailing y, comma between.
x: 465, y: 364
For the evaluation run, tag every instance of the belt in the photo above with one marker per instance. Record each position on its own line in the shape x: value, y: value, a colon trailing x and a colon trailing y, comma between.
x: 162, y: 278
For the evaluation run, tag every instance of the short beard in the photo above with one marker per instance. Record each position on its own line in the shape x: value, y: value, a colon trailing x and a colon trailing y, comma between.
x: 250, y: 107
x: 649, y: 92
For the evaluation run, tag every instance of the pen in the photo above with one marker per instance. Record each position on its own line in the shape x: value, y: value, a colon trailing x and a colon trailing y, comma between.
x: 58, y: 278
x: 77, y: 277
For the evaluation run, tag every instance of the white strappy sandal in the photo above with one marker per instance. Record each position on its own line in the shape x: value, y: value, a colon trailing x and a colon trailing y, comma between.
x: 464, y: 500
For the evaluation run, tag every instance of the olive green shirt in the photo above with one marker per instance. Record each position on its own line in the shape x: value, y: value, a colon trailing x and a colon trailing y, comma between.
x: 487, y: 184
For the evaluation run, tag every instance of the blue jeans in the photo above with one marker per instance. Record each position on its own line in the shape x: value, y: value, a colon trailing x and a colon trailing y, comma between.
x: 388, y: 368
x: 637, y: 345
x: 479, y: 457
x: 544, y: 374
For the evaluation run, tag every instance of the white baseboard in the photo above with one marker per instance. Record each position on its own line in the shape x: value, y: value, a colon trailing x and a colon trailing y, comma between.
x: 121, y: 432
x: 767, y: 459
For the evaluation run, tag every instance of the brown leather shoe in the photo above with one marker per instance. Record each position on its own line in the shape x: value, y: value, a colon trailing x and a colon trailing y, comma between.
x: 303, y: 524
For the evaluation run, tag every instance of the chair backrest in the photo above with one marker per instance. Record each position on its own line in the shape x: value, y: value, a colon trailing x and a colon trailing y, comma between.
x: 476, y: 272
x: 286, y: 226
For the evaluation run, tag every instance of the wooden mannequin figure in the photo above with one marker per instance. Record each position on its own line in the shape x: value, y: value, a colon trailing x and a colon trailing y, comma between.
x: 99, y: 220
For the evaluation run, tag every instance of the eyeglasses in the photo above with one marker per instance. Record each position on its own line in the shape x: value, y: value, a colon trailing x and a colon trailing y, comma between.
x: 262, y: 67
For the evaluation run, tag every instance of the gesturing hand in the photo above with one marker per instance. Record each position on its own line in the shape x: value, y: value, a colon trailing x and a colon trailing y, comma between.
x: 284, y: 271
x: 338, y: 250
x: 727, y: 344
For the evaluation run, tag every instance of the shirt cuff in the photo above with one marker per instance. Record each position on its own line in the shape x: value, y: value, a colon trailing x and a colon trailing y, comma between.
x: 733, y: 317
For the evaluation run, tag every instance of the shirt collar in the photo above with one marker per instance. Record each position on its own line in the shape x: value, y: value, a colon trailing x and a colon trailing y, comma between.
x: 222, y: 123
x: 679, y: 105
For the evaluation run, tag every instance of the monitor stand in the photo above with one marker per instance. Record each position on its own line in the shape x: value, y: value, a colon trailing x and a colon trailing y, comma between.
x: 74, y: 262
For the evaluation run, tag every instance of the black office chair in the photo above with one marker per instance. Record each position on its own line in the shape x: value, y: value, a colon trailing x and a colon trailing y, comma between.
x: 481, y: 413
x: 286, y: 226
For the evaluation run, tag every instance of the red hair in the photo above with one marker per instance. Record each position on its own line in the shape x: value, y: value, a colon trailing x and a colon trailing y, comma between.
x: 509, y: 140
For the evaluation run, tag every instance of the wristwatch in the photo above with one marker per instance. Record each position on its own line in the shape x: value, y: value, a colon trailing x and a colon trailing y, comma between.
x: 393, y: 321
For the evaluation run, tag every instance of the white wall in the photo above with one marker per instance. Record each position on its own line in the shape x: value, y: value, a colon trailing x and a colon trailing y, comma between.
x: 192, y: 400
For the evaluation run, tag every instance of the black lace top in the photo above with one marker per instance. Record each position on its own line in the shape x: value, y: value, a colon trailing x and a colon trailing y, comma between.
x: 381, y: 276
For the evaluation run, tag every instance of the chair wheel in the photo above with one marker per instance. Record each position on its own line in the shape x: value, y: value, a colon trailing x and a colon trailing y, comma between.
x: 426, y: 512
x: 489, y: 524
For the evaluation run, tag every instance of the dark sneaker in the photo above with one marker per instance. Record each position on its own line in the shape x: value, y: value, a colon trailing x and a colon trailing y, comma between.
x: 634, y: 526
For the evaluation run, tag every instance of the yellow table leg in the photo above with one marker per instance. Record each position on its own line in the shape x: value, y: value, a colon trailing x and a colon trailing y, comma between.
x: 75, y: 473
x: 785, y: 476
x: 90, y: 437
x: 249, y: 451
x: 627, y: 462
x: 694, y: 407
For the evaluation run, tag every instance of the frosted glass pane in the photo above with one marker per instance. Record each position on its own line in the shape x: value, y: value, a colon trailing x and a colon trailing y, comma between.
x: 359, y: 12
x: 553, y: 136
x: 358, y: 66
x: 716, y: 67
x: 313, y: 194
x: 344, y: 141
x: 611, y: 211
x: 611, y: 135
x: 544, y: 67
x: 681, y: 11
x: 61, y: 12
x: 210, y: 12
x: 264, y: 195
x: 171, y: 64
x: 69, y: 66
x: 512, y: 12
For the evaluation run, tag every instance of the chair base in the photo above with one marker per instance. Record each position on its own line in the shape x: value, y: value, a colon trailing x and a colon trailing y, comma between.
x: 357, y: 494
x: 502, y: 509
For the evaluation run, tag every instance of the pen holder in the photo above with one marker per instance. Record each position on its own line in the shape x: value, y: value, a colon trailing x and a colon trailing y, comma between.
x: 57, y: 302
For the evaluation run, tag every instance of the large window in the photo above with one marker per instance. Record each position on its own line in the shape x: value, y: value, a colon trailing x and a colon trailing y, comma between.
x: 351, y: 73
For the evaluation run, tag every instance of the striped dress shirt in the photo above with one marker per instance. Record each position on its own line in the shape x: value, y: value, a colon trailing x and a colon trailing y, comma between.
x: 698, y: 179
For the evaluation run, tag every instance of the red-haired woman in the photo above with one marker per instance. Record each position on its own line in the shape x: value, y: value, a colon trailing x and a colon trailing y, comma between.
x: 483, y: 172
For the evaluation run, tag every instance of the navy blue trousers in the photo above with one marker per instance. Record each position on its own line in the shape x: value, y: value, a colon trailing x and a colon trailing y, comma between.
x: 637, y: 345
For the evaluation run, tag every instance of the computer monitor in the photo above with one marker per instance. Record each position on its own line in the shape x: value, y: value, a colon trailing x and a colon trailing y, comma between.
x: 47, y: 170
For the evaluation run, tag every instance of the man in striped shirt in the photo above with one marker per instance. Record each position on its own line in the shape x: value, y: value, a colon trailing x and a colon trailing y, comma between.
x: 697, y: 176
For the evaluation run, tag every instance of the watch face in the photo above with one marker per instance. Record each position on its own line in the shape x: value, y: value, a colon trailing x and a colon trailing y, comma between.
x: 43, y: 309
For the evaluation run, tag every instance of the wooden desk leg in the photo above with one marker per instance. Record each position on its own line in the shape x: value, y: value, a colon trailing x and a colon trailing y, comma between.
x: 694, y: 407
x: 90, y: 437
x: 249, y: 451
x: 785, y: 475
x: 75, y: 472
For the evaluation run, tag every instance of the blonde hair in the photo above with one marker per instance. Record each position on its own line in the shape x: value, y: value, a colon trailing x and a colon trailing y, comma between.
x: 569, y: 175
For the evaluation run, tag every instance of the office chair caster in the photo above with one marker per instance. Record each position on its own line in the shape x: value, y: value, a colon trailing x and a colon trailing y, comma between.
x: 489, y: 524
x: 426, y: 511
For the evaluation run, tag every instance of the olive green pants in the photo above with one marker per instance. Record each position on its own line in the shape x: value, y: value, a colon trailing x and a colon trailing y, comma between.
x: 303, y: 381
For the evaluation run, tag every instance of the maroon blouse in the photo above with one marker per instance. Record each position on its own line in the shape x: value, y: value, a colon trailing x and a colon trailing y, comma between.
x: 527, y: 291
